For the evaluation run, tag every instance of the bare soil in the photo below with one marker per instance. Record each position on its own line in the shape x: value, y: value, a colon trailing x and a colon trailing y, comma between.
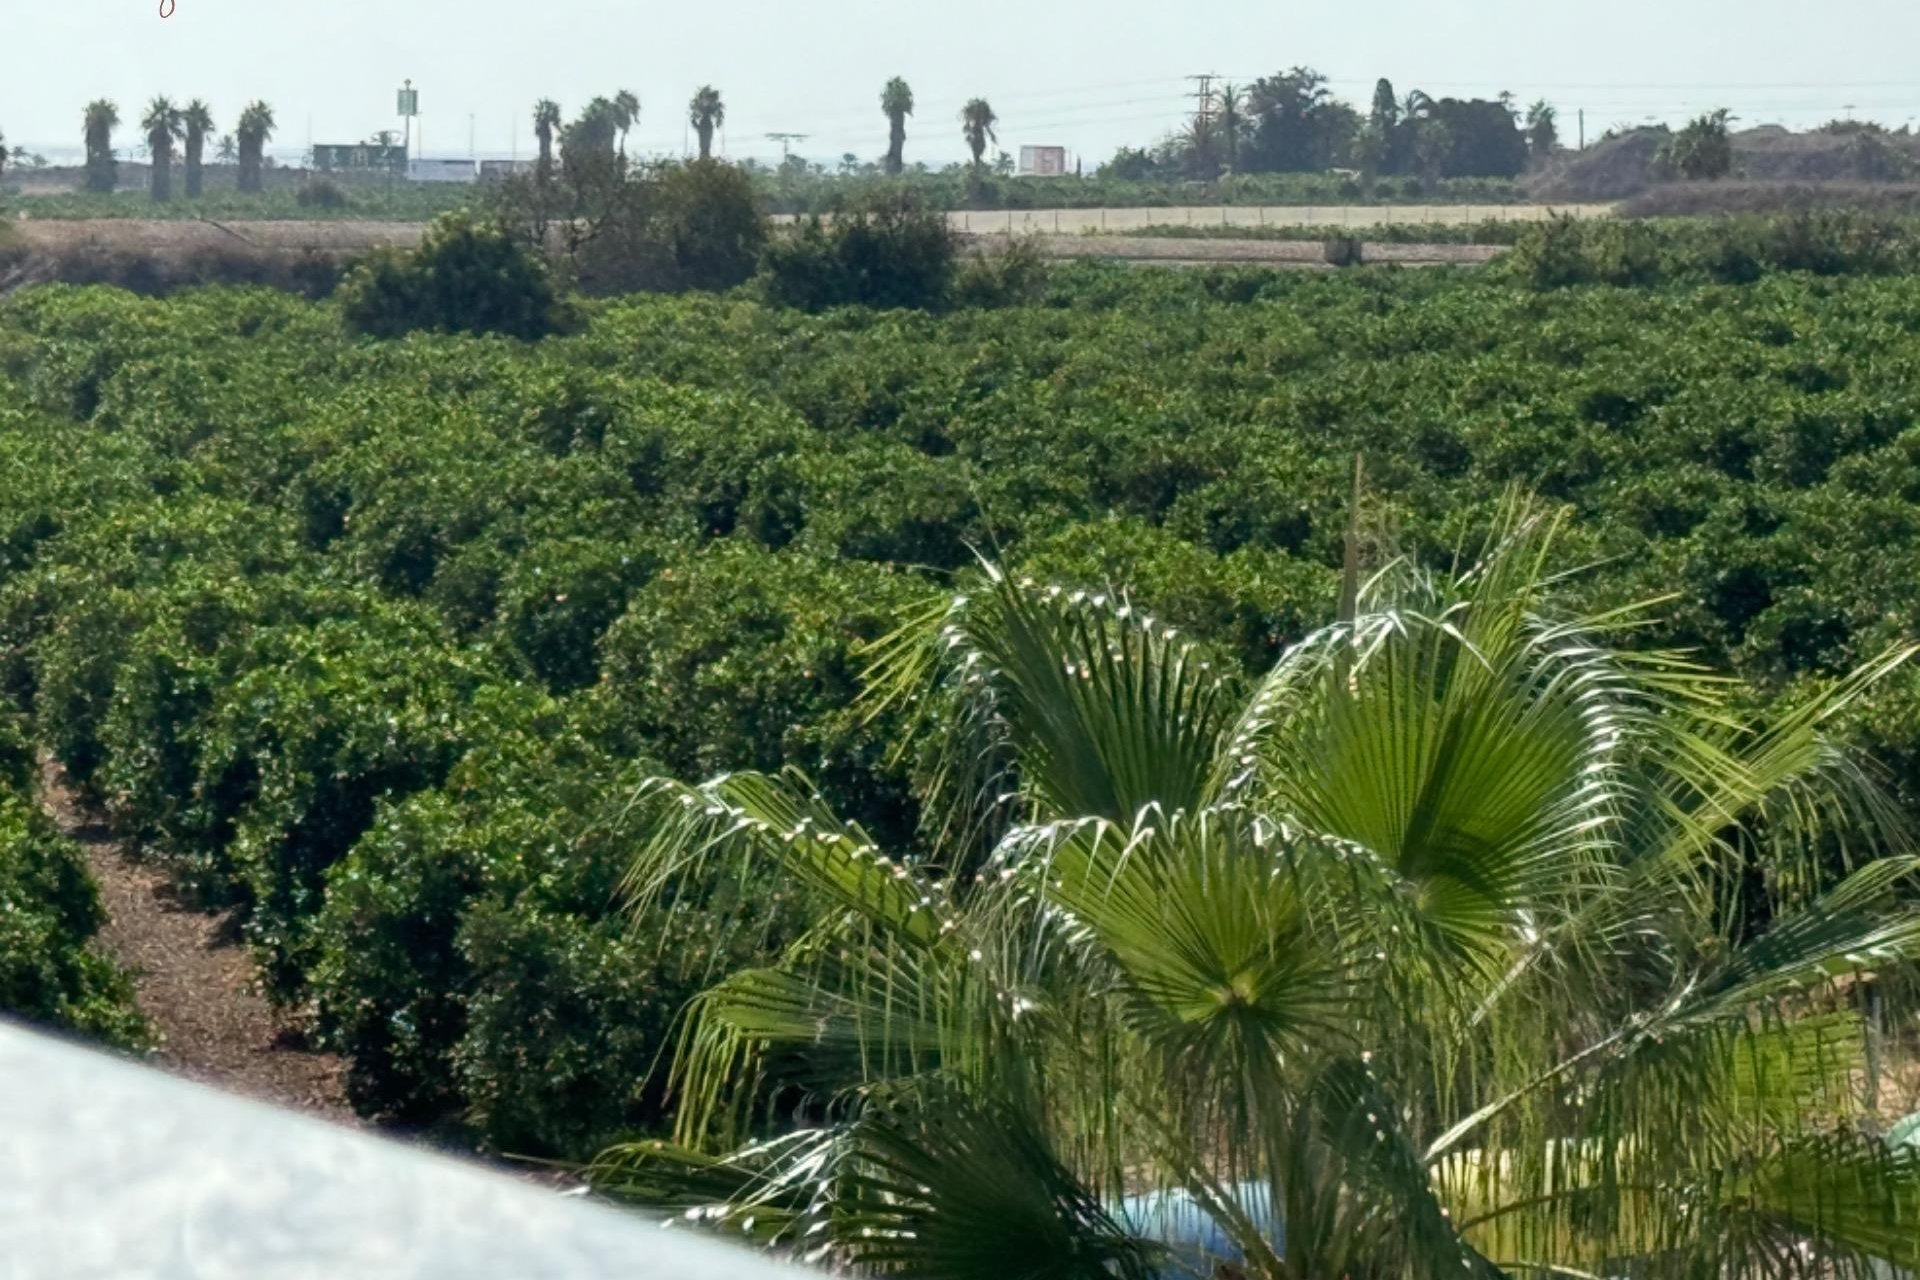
x: 193, y: 978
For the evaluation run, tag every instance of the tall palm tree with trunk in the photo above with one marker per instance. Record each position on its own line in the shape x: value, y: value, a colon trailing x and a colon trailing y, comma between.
x: 102, y: 117
x: 198, y: 119
x: 255, y: 130
x: 706, y: 112
x: 546, y: 125
x: 163, y: 127
x: 976, y: 126
x: 1233, y: 124
x: 896, y: 101
x: 1466, y: 941
x: 626, y: 111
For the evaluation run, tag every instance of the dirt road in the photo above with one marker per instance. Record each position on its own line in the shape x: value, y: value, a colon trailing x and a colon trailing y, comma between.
x: 193, y: 980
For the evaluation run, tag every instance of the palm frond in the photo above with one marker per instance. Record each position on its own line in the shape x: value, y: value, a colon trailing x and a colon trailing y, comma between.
x: 781, y: 824
x: 1077, y: 701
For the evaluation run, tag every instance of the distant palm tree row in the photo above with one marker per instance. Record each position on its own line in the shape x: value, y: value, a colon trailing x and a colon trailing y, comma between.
x: 166, y: 125
x: 707, y: 112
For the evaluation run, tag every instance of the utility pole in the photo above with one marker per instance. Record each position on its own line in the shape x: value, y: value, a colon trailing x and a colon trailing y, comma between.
x: 1203, y: 112
x: 786, y: 141
x: 1203, y: 99
x: 1583, y: 128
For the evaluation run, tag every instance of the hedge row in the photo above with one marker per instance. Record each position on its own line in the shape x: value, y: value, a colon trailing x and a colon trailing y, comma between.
x: 51, y: 974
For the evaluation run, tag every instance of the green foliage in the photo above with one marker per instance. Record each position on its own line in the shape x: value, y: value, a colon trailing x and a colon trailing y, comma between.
x: 888, y: 253
x: 235, y: 541
x: 711, y: 223
x: 322, y: 193
x: 1730, y: 250
x: 391, y: 984
x: 1702, y: 151
x: 466, y: 277
x: 49, y: 912
x: 1424, y: 938
x: 321, y: 723
x: 745, y: 658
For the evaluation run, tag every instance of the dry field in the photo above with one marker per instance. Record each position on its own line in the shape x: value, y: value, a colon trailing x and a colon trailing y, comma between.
x: 164, y: 240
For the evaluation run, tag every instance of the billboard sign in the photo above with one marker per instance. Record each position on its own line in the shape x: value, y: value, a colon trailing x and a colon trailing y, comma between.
x: 1043, y: 162
x: 358, y: 155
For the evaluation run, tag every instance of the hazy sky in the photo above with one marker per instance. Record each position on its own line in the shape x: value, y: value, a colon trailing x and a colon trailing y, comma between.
x: 1058, y: 71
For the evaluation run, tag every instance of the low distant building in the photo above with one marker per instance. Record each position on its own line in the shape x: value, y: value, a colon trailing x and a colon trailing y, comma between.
x: 500, y: 170
x: 1043, y: 162
x: 442, y: 171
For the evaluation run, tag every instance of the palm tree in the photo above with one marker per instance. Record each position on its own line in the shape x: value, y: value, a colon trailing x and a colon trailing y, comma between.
x: 229, y: 150
x: 101, y: 119
x: 706, y: 112
x: 255, y: 131
x: 626, y: 110
x: 896, y: 100
x: 3, y: 154
x: 198, y: 119
x: 1465, y: 941
x: 976, y: 126
x: 1233, y: 123
x: 163, y: 125
x: 546, y: 123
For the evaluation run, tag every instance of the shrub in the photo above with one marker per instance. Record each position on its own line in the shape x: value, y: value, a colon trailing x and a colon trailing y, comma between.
x: 740, y: 658
x: 322, y: 193
x: 389, y: 984
x: 49, y: 911
x: 1565, y: 251
x: 889, y: 253
x: 466, y: 277
x: 321, y: 724
x: 576, y: 1002
x: 1011, y: 275
x: 558, y: 598
x: 712, y: 223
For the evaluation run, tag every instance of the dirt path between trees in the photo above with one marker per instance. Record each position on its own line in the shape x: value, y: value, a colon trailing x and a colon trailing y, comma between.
x: 193, y: 978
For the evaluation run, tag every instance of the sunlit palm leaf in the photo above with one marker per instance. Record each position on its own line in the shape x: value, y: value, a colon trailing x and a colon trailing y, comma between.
x: 1093, y: 708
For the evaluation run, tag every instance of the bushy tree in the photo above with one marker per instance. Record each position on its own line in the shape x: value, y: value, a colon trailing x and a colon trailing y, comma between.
x: 467, y: 276
x: 1703, y: 150
x: 889, y: 252
x: 1543, y: 132
x: 1483, y: 139
x: 711, y: 223
x: 1297, y: 124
